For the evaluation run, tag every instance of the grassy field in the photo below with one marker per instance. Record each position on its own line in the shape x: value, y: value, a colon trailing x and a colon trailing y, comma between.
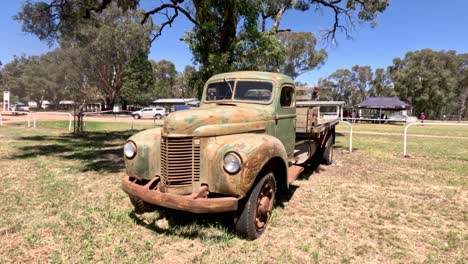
x: 93, y: 126
x: 60, y: 202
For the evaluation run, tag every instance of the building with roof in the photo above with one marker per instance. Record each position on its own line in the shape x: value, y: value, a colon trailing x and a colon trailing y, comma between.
x: 381, y: 107
x: 383, y: 103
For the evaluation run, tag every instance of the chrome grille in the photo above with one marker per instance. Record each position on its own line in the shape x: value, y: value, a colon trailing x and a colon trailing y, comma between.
x: 180, y: 161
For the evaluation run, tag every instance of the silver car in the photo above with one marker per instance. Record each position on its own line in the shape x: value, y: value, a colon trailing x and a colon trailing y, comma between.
x: 150, y: 112
x: 19, y: 108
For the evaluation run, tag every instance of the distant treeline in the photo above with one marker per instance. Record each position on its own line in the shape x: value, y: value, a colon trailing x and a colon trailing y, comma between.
x: 433, y: 82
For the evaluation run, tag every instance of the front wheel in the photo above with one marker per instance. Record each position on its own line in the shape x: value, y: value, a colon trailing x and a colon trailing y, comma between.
x: 136, y: 116
x: 255, y: 215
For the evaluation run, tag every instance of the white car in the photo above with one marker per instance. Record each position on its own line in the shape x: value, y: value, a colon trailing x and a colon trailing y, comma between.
x: 150, y: 112
x: 19, y: 108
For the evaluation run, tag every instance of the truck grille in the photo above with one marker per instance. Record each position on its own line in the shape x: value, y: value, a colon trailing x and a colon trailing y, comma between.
x: 180, y: 161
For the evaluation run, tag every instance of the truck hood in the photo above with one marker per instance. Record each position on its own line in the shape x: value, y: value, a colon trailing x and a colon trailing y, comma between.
x: 216, y: 120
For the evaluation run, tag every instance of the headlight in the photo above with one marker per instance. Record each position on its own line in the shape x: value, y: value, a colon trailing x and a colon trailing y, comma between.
x: 130, y: 150
x: 232, y: 162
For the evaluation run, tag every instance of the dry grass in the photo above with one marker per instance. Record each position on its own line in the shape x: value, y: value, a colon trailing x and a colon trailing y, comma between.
x: 61, y: 202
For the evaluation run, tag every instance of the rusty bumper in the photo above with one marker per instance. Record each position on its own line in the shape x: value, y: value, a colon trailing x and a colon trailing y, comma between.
x: 196, y: 202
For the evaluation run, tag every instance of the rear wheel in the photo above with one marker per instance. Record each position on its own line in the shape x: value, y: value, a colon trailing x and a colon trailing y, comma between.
x: 158, y: 116
x: 140, y: 205
x: 255, y: 215
x: 327, y: 155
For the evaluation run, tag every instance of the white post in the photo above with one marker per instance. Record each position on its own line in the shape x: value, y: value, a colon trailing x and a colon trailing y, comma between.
x: 69, y: 122
x: 404, y: 139
x: 34, y: 118
x: 6, y: 101
x: 424, y: 124
x: 341, y: 112
x: 29, y: 120
x: 350, y: 135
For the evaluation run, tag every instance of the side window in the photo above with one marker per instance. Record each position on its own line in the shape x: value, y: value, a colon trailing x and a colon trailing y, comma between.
x: 287, y: 96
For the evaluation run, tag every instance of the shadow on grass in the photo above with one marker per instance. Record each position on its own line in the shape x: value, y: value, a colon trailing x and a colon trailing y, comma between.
x: 191, y: 226
x: 95, y: 151
x: 345, y: 145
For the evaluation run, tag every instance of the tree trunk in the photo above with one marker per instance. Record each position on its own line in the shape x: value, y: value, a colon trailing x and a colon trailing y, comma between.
x: 78, y: 119
x: 38, y: 104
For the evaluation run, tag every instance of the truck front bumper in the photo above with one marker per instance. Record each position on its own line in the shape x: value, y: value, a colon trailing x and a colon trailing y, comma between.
x: 195, y: 202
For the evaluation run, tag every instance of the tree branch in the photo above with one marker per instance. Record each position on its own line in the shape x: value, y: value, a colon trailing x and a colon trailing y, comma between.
x: 169, y: 21
x: 331, y: 34
x: 279, y: 15
x: 173, y: 6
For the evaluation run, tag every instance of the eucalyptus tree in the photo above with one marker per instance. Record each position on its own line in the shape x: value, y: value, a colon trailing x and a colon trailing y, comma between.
x: 226, y: 35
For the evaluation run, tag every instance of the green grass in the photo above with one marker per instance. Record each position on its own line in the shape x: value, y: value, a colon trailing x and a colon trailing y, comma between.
x: 61, y: 202
x: 91, y: 126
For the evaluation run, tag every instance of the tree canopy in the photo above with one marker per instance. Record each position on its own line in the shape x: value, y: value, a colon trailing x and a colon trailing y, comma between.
x: 356, y: 84
x: 434, y: 82
x: 226, y: 35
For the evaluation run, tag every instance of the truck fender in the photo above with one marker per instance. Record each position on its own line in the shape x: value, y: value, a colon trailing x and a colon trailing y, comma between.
x: 255, y: 150
x: 146, y: 163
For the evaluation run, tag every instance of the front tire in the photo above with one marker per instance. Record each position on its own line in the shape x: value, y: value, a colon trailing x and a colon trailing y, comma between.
x: 140, y: 205
x: 136, y: 117
x: 256, y: 213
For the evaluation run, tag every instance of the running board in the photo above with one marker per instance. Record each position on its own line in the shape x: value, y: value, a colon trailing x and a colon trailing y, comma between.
x: 293, y: 172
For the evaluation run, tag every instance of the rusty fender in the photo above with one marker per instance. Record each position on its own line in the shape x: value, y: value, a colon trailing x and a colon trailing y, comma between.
x: 146, y: 163
x: 255, y: 151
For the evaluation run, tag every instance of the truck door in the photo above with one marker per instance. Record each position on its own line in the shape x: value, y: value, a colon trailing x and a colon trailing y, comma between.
x: 285, y: 118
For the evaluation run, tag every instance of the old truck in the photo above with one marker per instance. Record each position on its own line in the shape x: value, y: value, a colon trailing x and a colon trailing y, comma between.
x: 237, y: 152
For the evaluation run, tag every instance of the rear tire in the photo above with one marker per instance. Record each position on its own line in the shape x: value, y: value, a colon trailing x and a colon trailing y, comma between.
x: 256, y: 213
x: 327, y: 155
x: 140, y: 205
x: 158, y: 116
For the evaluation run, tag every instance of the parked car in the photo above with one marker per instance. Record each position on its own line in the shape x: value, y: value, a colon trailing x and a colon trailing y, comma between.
x: 150, y: 112
x: 19, y: 108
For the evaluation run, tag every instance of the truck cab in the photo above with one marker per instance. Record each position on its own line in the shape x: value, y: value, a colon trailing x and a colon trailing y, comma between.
x: 236, y: 153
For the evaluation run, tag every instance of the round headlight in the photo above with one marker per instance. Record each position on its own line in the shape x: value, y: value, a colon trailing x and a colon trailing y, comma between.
x: 130, y: 150
x: 232, y: 162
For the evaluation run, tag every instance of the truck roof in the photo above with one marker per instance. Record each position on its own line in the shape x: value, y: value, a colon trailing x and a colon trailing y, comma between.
x: 277, y: 77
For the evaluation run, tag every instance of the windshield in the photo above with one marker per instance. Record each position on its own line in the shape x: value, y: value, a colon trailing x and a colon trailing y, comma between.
x: 243, y: 91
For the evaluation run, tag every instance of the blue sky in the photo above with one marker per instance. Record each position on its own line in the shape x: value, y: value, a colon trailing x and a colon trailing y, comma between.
x: 405, y: 26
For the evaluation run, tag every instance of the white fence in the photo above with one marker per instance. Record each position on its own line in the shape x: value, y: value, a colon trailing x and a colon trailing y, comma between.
x: 350, y: 134
x: 424, y: 124
x: 21, y: 112
x: 100, y: 113
x: 70, y: 117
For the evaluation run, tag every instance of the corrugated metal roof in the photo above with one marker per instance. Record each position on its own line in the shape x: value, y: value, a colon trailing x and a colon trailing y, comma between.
x: 319, y: 103
x: 383, y: 103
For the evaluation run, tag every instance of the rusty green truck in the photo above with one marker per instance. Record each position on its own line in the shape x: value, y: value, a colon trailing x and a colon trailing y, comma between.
x: 236, y: 153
